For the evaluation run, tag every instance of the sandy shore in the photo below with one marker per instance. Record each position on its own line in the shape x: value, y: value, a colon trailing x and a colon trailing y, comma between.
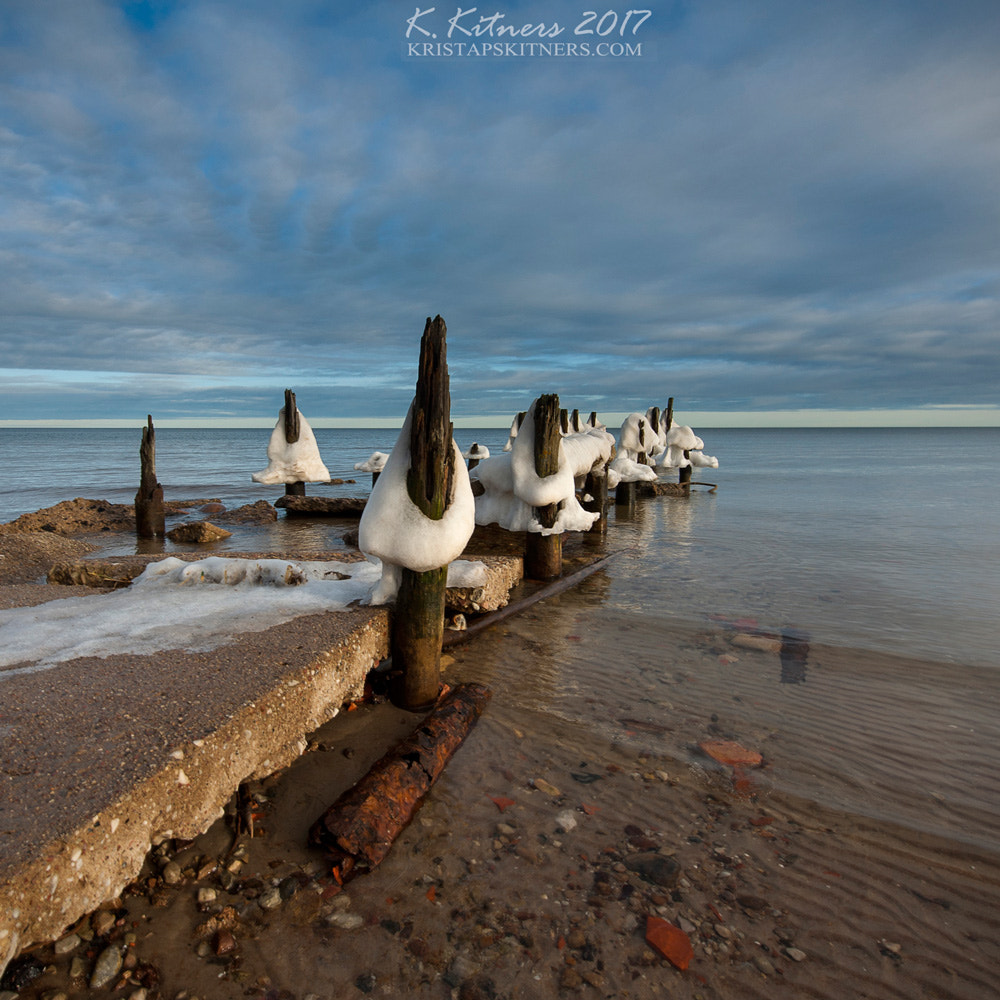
x: 574, y: 813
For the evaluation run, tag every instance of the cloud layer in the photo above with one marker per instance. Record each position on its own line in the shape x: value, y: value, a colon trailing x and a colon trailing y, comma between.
x: 779, y: 204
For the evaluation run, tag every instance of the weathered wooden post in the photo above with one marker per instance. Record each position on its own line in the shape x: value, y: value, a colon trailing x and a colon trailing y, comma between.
x: 149, y: 516
x: 595, y: 494
x: 418, y: 619
x: 668, y: 417
x: 291, y: 436
x: 625, y: 493
x: 473, y: 451
x: 543, y: 553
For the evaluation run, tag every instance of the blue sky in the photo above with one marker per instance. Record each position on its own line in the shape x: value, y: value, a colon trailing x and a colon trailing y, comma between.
x: 774, y: 205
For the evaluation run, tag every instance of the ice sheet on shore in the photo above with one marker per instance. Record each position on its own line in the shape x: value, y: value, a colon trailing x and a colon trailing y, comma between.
x: 194, y: 606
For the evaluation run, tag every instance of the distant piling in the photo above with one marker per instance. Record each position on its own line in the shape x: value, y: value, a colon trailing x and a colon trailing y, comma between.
x: 418, y: 619
x: 595, y: 493
x: 149, y: 515
x: 543, y: 553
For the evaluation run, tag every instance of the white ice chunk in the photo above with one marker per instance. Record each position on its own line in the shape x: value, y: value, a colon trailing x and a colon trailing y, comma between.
x: 397, y: 532
x: 626, y: 470
x: 298, y: 462
x: 703, y: 461
x: 375, y: 462
x: 179, y: 605
x: 636, y: 435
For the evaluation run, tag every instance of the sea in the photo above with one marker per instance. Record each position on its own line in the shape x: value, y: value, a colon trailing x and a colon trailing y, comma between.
x: 876, y: 550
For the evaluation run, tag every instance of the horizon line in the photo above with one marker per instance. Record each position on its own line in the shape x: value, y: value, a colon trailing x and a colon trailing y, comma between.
x: 929, y: 416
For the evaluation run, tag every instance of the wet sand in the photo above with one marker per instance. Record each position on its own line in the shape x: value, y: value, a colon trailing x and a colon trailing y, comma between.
x: 860, y: 859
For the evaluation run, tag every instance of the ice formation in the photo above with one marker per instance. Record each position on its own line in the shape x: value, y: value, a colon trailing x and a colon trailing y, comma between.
x: 513, y: 488
x: 296, y: 462
x: 180, y: 605
x: 679, y: 440
x: 480, y: 451
x: 394, y: 530
x: 635, y: 438
x: 375, y: 462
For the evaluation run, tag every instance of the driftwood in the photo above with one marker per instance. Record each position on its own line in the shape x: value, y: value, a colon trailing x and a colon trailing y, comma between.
x: 418, y: 618
x: 149, y: 514
x: 358, y: 830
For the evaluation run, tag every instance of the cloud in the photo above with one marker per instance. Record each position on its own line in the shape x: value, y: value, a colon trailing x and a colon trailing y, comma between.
x: 777, y: 204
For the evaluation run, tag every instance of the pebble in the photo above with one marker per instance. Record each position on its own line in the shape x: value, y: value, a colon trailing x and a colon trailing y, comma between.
x: 795, y: 954
x: 543, y: 786
x: 576, y: 939
x: 345, y: 920
x: 77, y: 968
x: 102, y: 922
x: 67, y: 944
x: 763, y: 965
x: 566, y: 821
x: 270, y: 898
x: 172, y: 873
x: 107, y: 966
x: 723, y: 931
x: 139, y: 994
x: 206, y: 895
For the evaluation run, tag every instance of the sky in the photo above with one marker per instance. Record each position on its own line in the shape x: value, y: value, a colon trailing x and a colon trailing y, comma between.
x: 755, y: 207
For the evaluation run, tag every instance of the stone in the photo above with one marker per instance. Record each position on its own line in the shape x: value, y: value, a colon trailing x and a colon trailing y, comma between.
x: 566, y: 821
x: 102, y: 922
x: 656, y: 868
x: 172, y: 873
x: 67, y: 944
x: 670, y: 941
x: 763, y: 965
x: 345, y: 920
x: 796, y: 954
x: 206, y: 895
x: 270, y: 898
x: 545, y: 788
x: 198, y: 533
x: 107, y: 966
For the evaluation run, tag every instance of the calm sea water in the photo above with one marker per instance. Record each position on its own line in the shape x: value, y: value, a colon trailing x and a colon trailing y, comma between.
x: 871, y: 539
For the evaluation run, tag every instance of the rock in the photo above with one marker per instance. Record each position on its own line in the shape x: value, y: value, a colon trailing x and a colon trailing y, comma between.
x: 198, y: 533
x: 78, y: 517
x: 270, y: 898
x: 545, y: 788
x: 224, y: 942
x: 107, y: 966
x: 570, y: 979
x: 67, y: 944
x: 260, y: 512
x: 172, y: 873
x: 106, y: 574
x: 566, y: 821
x: 345, y: 921
x: 796, y: 954
x: 670, y: 941
x: 656, y: 868
x: 102, y: 922
x: 366, y: 982
x: 576, y: 939
x: 206, y: 895
x: 21, y: 972
x: 763, y: 965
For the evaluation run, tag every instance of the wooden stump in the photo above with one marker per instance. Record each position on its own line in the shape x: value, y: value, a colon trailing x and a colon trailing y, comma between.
x: 149, y: 515
x: 292, y: 430
x: 543, y: 553
x: 418, y: 619
x: 596, y: 487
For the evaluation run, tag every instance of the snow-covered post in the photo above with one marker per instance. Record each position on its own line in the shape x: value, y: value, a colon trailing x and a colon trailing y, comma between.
x: 595, y: 490
x: 292, y: 429
x: 149, y: 516
x: 418, y: 621
x: 543, y: 552
x: 625, y: 491
x: 476, y: 454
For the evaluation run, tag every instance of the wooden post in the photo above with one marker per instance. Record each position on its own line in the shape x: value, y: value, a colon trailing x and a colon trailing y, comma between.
x: 684, y: 473
x: 149, y: 516
x: 473, y: 462
x: 543, y: 553
x: 291, y: 436
x: 575, y: 422
x: 669, y: 417
x: 596, y: 487
x: 418, y: 618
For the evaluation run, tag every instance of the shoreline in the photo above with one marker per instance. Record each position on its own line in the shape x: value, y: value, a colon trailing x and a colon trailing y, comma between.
x: 491, y: 891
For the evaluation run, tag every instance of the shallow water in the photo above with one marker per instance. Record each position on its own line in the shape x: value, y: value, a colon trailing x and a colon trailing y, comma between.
x: 872, y: 559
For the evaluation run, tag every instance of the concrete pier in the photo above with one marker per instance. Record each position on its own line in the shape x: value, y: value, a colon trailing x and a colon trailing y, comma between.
x: 101, y: 758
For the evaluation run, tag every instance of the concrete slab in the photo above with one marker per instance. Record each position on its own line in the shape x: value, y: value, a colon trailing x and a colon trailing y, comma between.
x: 102, y: 758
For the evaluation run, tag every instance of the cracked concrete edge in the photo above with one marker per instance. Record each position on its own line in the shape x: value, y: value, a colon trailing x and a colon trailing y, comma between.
x: 74, y: 875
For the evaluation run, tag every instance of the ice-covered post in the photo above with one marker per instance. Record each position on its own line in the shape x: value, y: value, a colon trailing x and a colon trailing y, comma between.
x: 418, y: 621
x: 473, y: 455
x: 625, y: 492
x: 543, y: 553
x: 292, y: 430
x: 149, y: 516
x: 595, y: 492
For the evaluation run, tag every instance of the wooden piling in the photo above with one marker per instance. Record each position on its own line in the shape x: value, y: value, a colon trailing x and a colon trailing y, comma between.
x: 418, y: 619
x: 149, y: 515
x: 473, y: 462
x: 291, y: 436
x: 543, y: 553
